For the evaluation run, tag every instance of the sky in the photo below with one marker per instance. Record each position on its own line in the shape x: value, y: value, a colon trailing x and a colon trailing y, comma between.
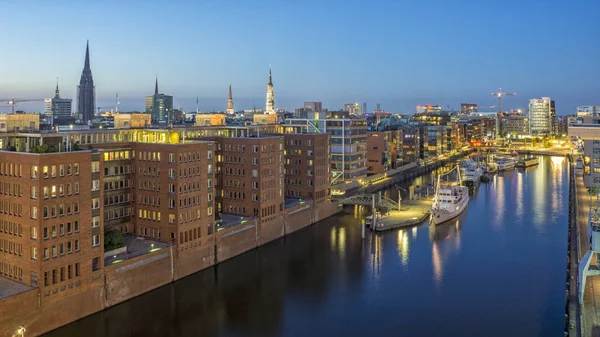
x: 397, y: 53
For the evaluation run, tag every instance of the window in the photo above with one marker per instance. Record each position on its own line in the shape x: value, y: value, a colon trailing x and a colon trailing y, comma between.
x: 76, y: 225
x: 171, y: 188
x: 68, y: 169
x: 61, y: 249
x: 46, y: 192
x: 46, y: 253
x: 45, y: 232
x: 171, y: 218
x: 61, y: 229
x: 61, y: 170
x: 171, y: 157
x: 34, y: 253
x: 210, y: 210
x: 45, y: 171
x: 95, y: 264
x: 53, y: 171
x: 76, y: 188
x: 171, y: 203
x: 76, y: 245
x: 34, y: 172
x: 46, y: 280
x: 254, y: 161
x: 76, y: 269
x: 95, y: 240
x: 34, y: 232
x: 53, y: 231
x: 33, y: 192
x: 69, y: 247
x: 75, y: 168
x: 95, y: 166
x: 255, y: 185
x: 209, y: 196
x: 33, y: 212
x: 54, y: 251
x: 95, y: 203
x: 69, y: 190
x: 95, y: 185
x: 69, y: 229
x: 53, y: 191
x: 76, y: 207
x: 254, y: 173
x: 95, y: 222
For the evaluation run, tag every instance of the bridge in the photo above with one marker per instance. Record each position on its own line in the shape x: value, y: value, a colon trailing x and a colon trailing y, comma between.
x: 367, y: 200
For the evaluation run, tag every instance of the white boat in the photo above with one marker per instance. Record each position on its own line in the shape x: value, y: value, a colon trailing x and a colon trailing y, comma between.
x: 450, y: 200
x: 505, y: 164
x: 471, y: 172
x: 490, y: 167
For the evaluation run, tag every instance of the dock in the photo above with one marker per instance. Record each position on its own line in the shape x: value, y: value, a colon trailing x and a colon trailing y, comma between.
x: 412, y: 213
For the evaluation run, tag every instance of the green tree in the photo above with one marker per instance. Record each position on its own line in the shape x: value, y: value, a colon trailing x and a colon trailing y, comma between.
x: 113, y: 239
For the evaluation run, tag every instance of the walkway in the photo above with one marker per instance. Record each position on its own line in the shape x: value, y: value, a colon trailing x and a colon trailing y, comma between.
x: 590, y: 310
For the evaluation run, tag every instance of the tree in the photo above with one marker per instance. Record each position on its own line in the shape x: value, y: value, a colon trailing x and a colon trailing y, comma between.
x: 113, y: 239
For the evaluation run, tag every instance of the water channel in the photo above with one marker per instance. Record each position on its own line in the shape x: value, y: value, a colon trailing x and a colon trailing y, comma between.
x: 497, y: 270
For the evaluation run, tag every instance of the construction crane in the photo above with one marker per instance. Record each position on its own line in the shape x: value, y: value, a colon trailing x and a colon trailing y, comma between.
x: 14, y: 101
x: 501, y: 94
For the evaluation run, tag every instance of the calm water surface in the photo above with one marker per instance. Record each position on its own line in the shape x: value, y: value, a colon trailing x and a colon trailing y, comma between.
x: 498, y: 270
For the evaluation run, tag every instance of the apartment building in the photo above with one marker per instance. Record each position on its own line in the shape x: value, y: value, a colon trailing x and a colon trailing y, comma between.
x: 306, y: 166
x: 249, y: 176
x: 47, y: 237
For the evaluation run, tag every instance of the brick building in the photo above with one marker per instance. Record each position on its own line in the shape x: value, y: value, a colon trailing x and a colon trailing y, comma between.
x: 307, y: 166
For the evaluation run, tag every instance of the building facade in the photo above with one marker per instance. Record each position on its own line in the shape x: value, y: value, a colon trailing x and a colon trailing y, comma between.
x: 313, y: 106
x: 58, y: 110
x: 306, y: 168
x: 542, y: 116
x: 515, y: 126
x: 468, y: 108
x: 159, y: 106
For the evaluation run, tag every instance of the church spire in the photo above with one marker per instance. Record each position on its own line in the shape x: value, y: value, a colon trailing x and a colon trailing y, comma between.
x: 156, y: 87
x: 86, y: 66
x: 270, y: 77
x: 230, y: 109
x: 270, y: 108
x: 57, y: 92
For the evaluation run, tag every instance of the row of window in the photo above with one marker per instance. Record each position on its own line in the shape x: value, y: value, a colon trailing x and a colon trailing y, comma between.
x: 118, y: 213
x: 57, y: 250
x: 190, y: 235
x: 116, y: 170
x: 62, y: 229
x: 10, y: 247
x: 11, y: 208
x: 61, y: 274
x: 11, y: 271
x: 12, y: 228
x: 53, y: 171
x: 53, y: 191
x: 12, y: 189
x: 56, y: 210
x: 11, y: 170
x: 117, y: 155
x: 297, y: 182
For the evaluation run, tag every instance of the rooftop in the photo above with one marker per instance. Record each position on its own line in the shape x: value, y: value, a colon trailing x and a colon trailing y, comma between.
x: 230, y: 220
x: 136, y: 246
x: 10, y: 288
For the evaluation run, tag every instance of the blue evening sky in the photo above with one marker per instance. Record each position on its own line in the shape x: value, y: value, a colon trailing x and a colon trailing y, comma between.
x: 398, y: 53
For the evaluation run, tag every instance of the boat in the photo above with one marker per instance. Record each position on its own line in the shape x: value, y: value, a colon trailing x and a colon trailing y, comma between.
x: 471, y: 175
x: 506, y: 163
x: 527, y: 162
x: 486, y: 178
x: 490, y: 168
x: 451, y: 199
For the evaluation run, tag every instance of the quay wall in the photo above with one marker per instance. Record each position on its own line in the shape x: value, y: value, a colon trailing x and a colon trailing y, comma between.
x: 127, y: 279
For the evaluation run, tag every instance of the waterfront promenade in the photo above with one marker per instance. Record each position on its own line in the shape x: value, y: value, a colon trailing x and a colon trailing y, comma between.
x: 590, y: 308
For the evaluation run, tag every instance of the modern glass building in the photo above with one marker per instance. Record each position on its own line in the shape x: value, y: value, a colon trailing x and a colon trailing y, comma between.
x: 159, y: 106
x: 542, y: 113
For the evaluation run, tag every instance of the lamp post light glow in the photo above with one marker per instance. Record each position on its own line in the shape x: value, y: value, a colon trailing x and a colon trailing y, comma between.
x: 20, y: 332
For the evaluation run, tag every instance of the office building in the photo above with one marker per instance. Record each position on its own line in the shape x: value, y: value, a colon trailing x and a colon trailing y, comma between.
x: 468, y: 108
x: 133, y: 120
x: 424, y: 109
x: 542, y: 115
x: 58, y: 110
x: 203, y: 119
x: 313, y: 106
x: 159, y: 106
x: 353, y: 109
x: 587, y: 110
x: 514, y: 126
x: 86, y: 91
x: 384, y: 151
x: 348, y: 143
x: 410, y: 144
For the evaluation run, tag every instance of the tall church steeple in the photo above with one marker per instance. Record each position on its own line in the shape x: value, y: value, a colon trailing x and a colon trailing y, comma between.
x: 230, y: 110
x: 57, y: 92
x: 270, y: 108
x: 86, y: 92
x: 156, y: 87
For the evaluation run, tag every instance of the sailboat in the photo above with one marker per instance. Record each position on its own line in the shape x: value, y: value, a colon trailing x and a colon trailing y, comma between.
x: 450, y: 200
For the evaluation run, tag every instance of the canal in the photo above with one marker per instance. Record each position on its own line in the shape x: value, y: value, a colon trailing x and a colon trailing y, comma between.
x: 497, y: 270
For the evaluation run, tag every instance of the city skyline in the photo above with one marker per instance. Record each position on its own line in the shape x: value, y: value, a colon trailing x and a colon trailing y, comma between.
x: 434, y: 64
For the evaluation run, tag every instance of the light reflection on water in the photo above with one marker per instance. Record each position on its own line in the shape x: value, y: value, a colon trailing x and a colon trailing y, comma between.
x: 487, y: 273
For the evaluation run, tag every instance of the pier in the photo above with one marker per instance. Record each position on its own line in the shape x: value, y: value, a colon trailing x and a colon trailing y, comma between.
x: 412, y: 213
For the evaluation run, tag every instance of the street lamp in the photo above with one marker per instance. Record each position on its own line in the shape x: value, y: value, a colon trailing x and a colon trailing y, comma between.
x: 20, y: 332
